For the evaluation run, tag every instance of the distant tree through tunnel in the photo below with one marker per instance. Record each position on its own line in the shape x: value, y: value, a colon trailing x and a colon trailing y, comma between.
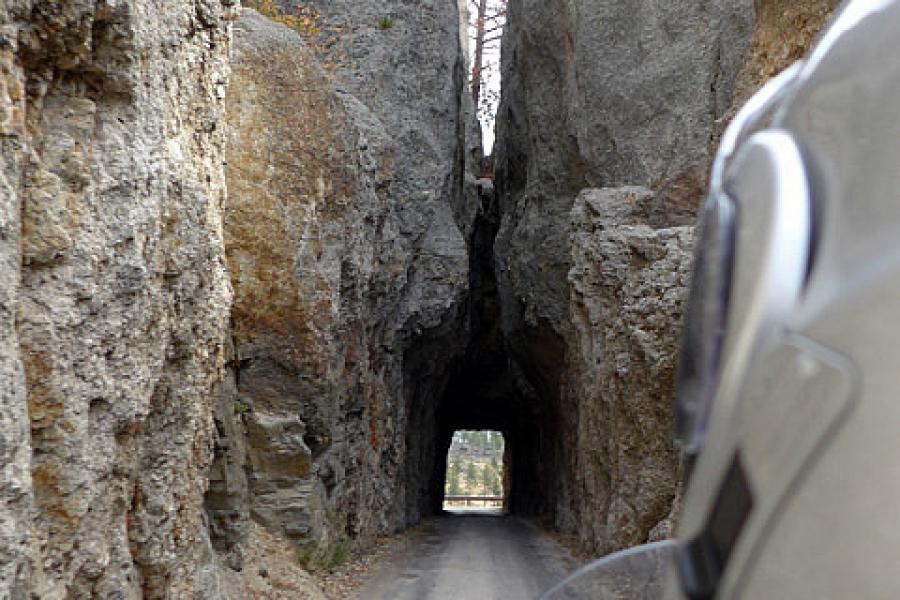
x: 474, y: 468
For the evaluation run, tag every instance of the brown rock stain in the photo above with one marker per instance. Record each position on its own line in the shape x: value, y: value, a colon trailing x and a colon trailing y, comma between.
x: 46, y: 403
x: 784, y: 33
x: 268, y: 218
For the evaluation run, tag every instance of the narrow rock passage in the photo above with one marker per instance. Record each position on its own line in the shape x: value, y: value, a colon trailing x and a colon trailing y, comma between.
x: 473, y: 555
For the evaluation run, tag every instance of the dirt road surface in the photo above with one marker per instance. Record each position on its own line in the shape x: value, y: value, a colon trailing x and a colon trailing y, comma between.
x: 472, y: 555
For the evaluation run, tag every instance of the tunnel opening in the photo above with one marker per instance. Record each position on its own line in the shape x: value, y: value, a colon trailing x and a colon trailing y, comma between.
x: 503, y: 382
x: 475, y: 471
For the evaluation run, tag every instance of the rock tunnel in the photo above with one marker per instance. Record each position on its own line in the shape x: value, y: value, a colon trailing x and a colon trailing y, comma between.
x: 249, y: 285
x: 422, y: 296
x: 486, y: 390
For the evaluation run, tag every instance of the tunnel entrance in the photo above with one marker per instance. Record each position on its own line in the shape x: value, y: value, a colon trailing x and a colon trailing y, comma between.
x: 508, y: 385
x: 507, y: 378
x: 475, y: 475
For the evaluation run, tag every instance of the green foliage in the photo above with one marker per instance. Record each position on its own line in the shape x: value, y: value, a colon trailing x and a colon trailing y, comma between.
x: 454, y: 471
x: 471, y: 475
x: 306, y: 552
x: 475, y: 464
x: 338, y: 553
x: 241, y: 406
x: 314, y: 556
x: 385, y: 23
x: 487, y: 479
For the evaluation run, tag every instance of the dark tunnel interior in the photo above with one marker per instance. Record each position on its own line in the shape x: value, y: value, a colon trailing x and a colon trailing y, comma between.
x: 490, y: 388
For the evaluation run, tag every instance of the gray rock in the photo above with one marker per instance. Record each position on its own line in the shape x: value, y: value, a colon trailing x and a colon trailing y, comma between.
x: 345, y: 254
x: 16, y: 497
x: 598, y: 93
x: 113, y: 293
x: 629, y: 284
x: 608, y: 93
x: 602, y: 93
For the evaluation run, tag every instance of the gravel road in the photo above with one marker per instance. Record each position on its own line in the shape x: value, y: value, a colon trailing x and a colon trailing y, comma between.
x: 477, y: 555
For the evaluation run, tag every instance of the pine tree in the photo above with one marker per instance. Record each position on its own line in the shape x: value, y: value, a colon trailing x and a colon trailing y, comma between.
x: 488, y: 19
x: 471, y: 477
x: 453, y: 484
x: 487, y: 480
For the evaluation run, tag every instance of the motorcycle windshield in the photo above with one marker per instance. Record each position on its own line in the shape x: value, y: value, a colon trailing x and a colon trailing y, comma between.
x: 634, y: 574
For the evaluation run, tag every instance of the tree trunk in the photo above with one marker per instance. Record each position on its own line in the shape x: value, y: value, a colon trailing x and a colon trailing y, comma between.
x: 477, y: 64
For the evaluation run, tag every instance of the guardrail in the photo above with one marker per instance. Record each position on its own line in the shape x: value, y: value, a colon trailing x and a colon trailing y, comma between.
x: 467, y: 500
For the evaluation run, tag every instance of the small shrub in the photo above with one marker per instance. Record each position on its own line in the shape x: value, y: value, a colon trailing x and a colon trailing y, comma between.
x: 385, y: 23
x: 337, y: 554
x: 306, y: 552
x: 241, y: 406
x: 313, y: 556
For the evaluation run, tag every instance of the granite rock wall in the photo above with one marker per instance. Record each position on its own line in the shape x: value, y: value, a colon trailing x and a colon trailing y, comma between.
x: 344, y: 234
x: 609, y: 117
x: 114, y: 298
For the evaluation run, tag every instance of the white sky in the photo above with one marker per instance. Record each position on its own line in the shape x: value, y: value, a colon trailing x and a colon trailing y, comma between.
x: 490, y: 72
x: 492, y: 82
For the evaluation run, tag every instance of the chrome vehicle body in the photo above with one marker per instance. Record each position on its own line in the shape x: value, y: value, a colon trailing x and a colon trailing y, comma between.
x: 789, y: 395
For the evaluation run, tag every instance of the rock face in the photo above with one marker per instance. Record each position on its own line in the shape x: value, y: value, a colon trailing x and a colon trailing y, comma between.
x: 628, y: 289
x: 591, y: 275
x: 602, y: 94
x: 113, y: 294
x: 628, y: 95
x: 347, y: 263
x: 783, y: 33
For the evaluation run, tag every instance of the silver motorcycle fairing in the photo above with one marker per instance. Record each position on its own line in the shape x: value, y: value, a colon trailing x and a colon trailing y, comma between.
x: 813, y: 415
x: 834, y: 534
x: 767, y: 183
x: 700, y: 369
x: 635, y: 573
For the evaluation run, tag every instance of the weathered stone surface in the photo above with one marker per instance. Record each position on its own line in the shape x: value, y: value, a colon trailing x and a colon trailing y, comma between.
x: 783, y: 32
x: 265, y: 566
x: 113, y: 294
x: 16, y: 497
x: 628, y: 289
x: 607, y: 93
x: 601, y: 93
x: 345, y: 257
x: 406, y: 64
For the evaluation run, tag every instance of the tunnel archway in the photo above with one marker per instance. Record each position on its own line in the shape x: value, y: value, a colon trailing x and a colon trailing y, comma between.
x: 530, y: 425
x: 501, y: 383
